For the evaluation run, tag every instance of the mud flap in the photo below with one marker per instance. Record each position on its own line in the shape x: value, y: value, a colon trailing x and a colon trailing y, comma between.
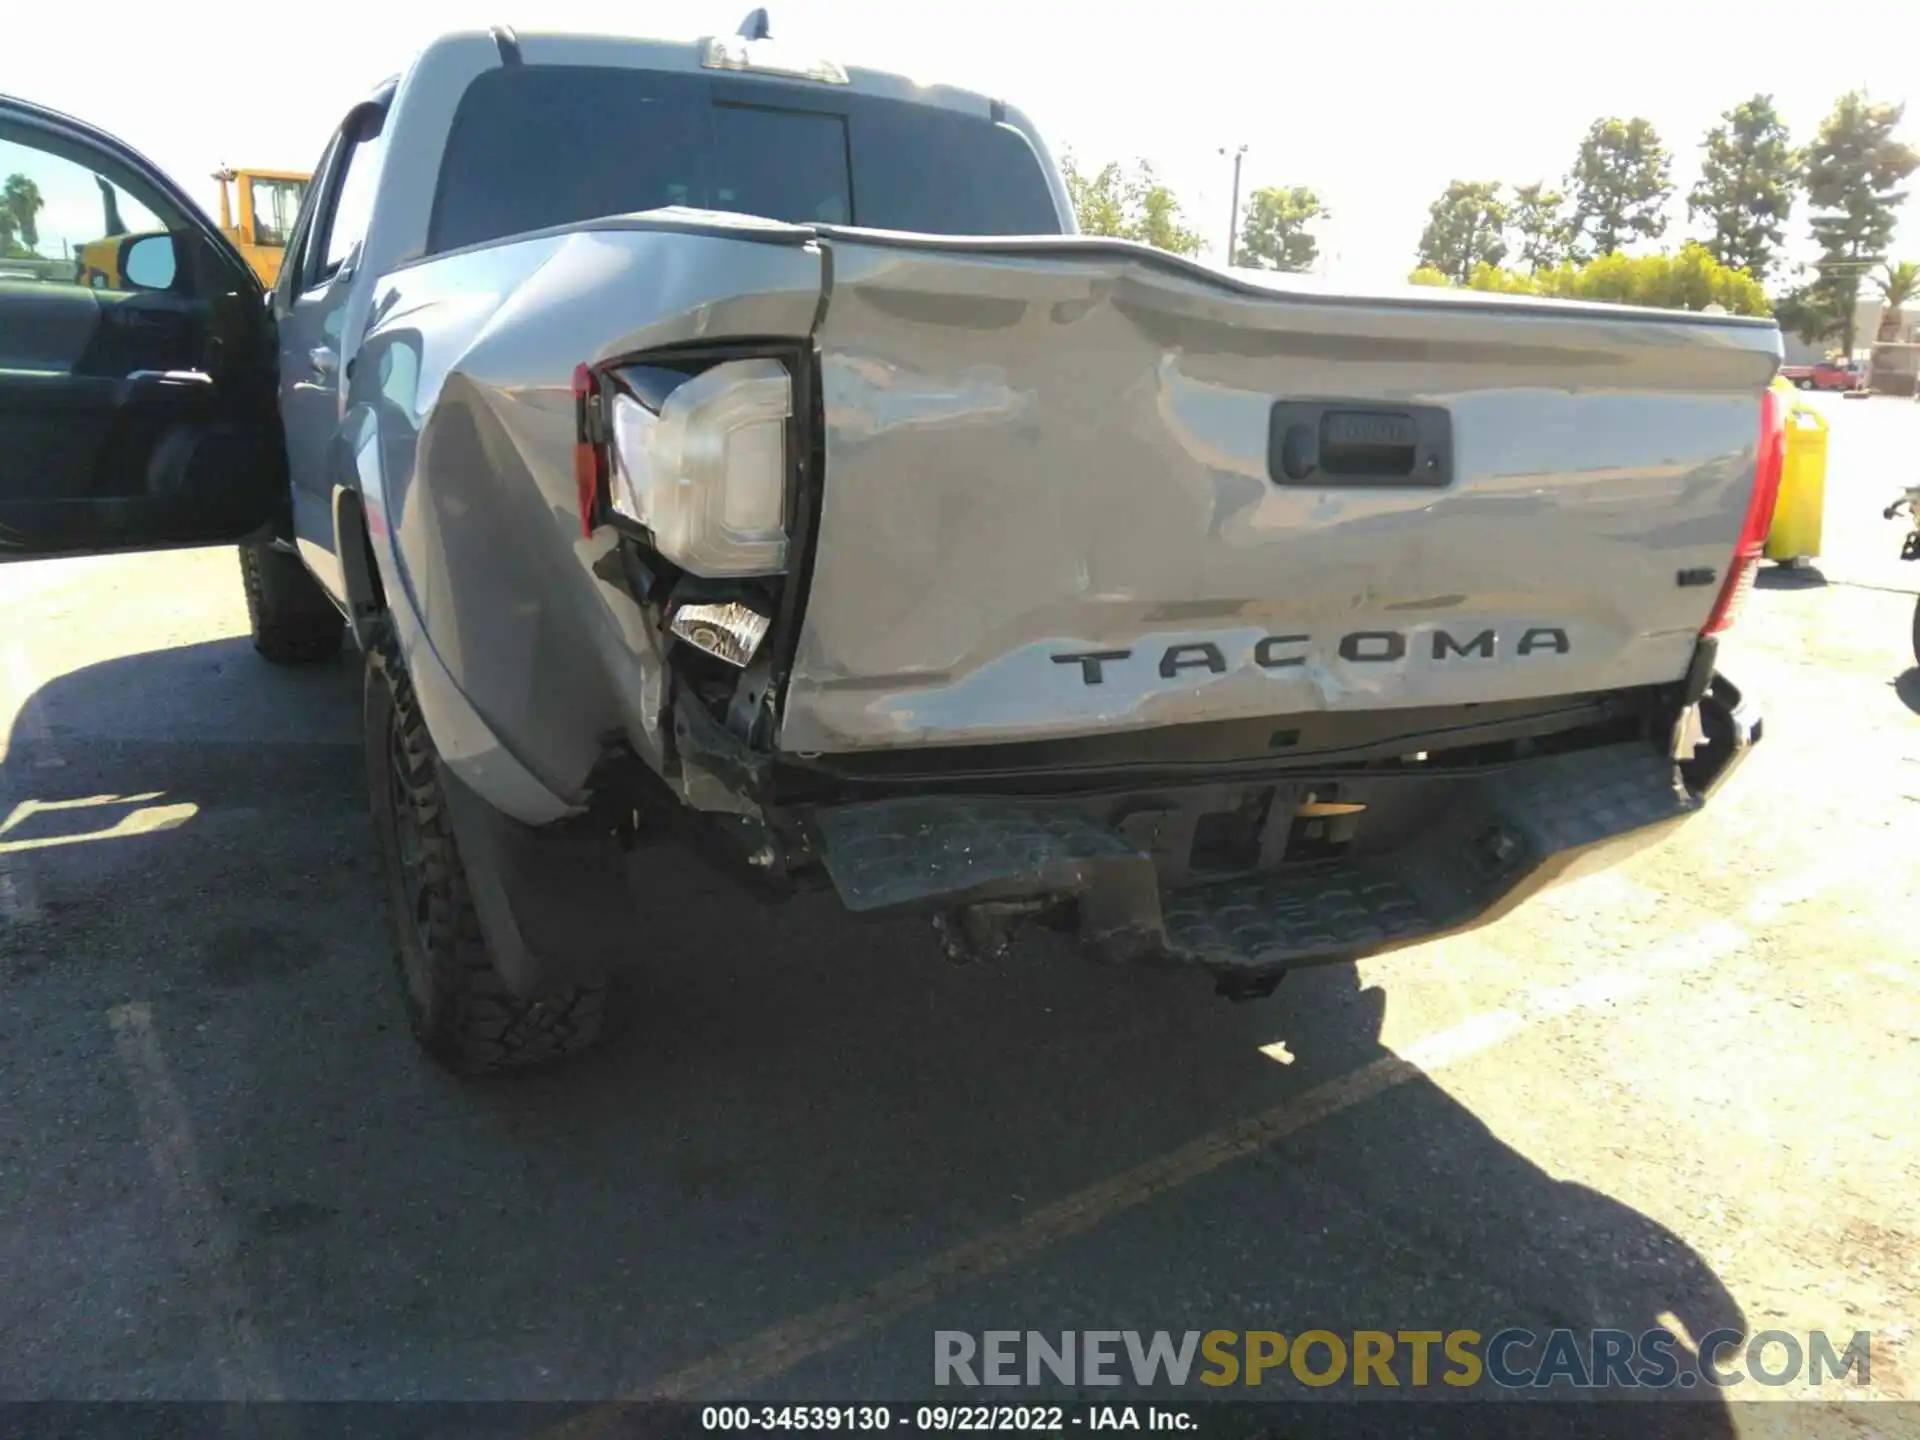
x: 553, y: 901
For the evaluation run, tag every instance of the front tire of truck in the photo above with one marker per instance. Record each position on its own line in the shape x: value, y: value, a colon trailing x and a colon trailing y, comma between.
x: 459, y: 1008
x: 294, y: 623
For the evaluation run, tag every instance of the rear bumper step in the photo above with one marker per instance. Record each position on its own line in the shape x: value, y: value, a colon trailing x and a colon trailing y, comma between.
x: 1448, y: 852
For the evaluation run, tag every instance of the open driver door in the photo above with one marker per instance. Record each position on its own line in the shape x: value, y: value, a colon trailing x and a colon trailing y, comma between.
x: 137, y: 404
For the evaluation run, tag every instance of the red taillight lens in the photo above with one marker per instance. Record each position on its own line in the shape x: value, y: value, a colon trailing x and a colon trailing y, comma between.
x: 1753, y: 531
x: 589, y: 453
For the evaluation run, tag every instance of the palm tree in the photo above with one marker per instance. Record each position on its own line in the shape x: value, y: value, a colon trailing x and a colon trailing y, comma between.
x: 20, y: 202
x: 1899, y: 285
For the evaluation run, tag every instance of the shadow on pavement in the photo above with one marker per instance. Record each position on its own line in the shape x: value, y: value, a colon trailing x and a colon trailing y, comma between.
x: 1789, y: 577
x: 1907, y: 687
x: 793, y: 1109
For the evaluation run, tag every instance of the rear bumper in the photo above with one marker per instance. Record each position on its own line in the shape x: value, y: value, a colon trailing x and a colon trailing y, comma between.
x: 1139, y: 876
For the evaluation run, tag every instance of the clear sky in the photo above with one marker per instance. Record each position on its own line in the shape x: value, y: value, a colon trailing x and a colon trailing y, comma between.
x: 1376, y: 105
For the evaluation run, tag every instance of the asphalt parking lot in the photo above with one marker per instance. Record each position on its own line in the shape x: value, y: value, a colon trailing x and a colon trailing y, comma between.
x: 1677, y: 1093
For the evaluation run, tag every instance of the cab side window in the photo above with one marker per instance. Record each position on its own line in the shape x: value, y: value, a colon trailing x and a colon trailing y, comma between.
x: 64, y: 223
x: 341, y: 226
x: 306, y: 223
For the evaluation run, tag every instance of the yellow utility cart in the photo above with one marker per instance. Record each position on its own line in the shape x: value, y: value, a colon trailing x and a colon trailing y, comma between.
x: 1795, y: 536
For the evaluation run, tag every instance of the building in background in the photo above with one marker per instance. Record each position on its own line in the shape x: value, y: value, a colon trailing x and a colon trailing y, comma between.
x: 1866, y: 333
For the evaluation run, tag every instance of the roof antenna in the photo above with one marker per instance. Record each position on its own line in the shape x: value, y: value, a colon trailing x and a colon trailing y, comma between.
x: 755, y: 26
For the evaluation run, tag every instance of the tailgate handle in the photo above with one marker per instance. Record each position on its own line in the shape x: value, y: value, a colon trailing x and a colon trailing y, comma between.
x: 1348, y: 443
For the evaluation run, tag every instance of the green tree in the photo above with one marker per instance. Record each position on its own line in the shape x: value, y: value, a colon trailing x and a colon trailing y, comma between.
x: 1746, y: 187
x: 1128, y: 203
x: 1696, y: 278
x: 1539, y: 226
x: 1621, y: 182
x: 1099, y: 202
x: 1502, y: 282
x: 1897, y: 285
x: 1812, y: 311
x: 1463, y: 229
x: 1854, y: 173
x: 1689, y: 280
x: 1160, y: 217
x: 1274, y: 235
x: 20, y: 207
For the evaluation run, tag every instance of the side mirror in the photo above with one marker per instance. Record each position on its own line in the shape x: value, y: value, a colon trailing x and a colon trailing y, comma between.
x: 147, y: 262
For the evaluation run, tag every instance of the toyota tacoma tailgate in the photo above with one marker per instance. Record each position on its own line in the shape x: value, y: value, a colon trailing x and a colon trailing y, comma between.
x: 1073, y: 488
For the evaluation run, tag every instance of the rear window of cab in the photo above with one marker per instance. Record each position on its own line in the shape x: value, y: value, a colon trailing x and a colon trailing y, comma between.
x: 535, y: 146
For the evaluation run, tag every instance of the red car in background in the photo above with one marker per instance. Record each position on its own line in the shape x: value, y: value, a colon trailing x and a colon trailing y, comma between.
x: 1827, y: 375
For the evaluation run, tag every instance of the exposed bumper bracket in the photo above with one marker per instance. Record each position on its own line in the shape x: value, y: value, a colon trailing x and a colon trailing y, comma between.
x: 1483, y: 840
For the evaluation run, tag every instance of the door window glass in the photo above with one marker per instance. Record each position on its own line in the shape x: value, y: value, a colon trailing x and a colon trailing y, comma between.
x: 64, y: 223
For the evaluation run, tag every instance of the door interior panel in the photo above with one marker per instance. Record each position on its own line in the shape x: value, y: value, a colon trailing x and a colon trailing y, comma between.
x: 78, y: 415
x: 138, y: 409
x: 44, y: 325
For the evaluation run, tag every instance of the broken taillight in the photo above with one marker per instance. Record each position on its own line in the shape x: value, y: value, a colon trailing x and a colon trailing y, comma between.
x: 1771, y: 461
x: 589, y: 446
x: 704, y: 468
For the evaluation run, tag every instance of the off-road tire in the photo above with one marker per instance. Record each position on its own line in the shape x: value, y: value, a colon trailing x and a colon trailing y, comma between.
x: 459, y: 1009
x: 294, y: 623
x: 1916, y: 632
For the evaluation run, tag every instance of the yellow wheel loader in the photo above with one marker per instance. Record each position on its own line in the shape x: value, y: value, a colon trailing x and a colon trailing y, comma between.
x: 268, y: 201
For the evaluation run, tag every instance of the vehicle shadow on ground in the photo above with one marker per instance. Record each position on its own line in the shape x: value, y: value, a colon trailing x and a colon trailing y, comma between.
x: 1907, y: 687
x: 793, y: 1109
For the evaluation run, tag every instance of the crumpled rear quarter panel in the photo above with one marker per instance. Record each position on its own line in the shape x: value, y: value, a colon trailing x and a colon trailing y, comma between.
x: 470, y: 368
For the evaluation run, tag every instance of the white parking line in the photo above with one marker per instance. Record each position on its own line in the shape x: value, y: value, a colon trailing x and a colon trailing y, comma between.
x: 240, y: 1360
x: 776, y: 1350
x: 146, y: 820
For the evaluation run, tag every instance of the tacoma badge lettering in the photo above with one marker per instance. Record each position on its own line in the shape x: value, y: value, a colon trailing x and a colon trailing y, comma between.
x: 1361, y: 647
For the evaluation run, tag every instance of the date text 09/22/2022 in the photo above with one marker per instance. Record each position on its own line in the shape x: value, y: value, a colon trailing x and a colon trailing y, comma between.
x: 938, y: 1418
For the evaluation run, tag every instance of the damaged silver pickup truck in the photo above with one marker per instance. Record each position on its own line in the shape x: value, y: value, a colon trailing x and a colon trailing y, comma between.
x: 707, y: 444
